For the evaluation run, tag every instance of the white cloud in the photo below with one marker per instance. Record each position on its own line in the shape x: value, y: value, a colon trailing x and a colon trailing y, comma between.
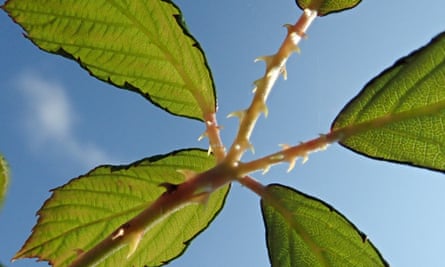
x: 50, y: 121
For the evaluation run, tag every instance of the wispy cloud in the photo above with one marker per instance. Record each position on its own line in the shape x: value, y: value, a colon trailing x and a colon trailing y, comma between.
x: 50, y: 120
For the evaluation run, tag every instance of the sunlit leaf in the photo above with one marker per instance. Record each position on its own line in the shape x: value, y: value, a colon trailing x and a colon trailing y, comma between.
x: 305, y: 231
x: 325, y: 7
x: 400, y: 115
x: 4, y: 179
x: 87, y: 209
x: 142, y: 46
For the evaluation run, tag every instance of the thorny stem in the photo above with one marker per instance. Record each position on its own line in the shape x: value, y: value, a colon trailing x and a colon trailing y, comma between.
x: 275, y: 65
x: 212, y: 132
x: 199, y: 188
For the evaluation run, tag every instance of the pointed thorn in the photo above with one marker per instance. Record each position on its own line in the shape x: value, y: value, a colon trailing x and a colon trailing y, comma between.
x: 258, y: 82
x: 209, y: 151
x: 238, y: 114
x: 288, y: 27
x: 265, y: 110
x: 134, y: 243
x: 284, y: 146
x: 305, y: 159
x: 284, y: 72
x: 251, y: 148
x: 291, y: 164
x: 202, y: 136
x: 266, y: 170
x: 266, y: 59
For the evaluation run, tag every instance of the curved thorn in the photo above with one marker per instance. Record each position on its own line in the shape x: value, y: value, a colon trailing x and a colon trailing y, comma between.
x: 266, y: 59
x: 135, y: 239
x: 202, y: 136
x: 284, y: 72
x: 266, y: 170
x: 292, y: 164
x: 238, y: 114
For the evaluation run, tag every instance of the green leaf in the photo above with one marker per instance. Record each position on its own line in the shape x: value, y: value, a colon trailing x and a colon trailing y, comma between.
x: 400, y: 115
x: 89, y: 208
x: 325, y: 7
x: 4, y: 179
x: 142, y: 46
x: 304, y: 231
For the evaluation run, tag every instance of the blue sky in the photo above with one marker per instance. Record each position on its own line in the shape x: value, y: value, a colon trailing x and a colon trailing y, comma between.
x: 58, y: 123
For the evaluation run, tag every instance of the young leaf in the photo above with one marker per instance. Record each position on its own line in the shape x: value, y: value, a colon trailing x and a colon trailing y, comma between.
x: 400, y: 115
x: 324, y: 7
x: 4, y: 179
x: 89, y: 208
x: 304, y: 231
x: 136, y: 45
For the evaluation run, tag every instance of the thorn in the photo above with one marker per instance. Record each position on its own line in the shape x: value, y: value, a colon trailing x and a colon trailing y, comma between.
x: 305, y: 158
x: 238, y: 114
x: 264, y: 109
x: 209, y: 151
x: 135, y: 239
x: 284, y: 72
x: 266, y: 59
x: 291, y: 164
x: 119, y: 233
x: 258, y: 82
x: 296, y: 49
x: 284, y: 146
x: 202, y: 136
x: 288, y: 27
x: 266, y: 170
x: 251, y: 148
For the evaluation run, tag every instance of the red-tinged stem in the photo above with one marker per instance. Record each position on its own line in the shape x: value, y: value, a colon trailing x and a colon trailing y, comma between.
x: 194, y: 190
x: 215, y: 142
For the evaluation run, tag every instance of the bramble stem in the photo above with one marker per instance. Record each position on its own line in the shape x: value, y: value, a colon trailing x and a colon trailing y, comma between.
x: 275, y: 65
x: 215, y: 142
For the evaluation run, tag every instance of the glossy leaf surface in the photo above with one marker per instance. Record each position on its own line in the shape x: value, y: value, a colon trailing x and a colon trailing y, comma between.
x: 4, y: 179
x: 324, y: 7
x: 142, y: 46
x: 88, y: 208
x: 400, y: 115
x: 304, y: 231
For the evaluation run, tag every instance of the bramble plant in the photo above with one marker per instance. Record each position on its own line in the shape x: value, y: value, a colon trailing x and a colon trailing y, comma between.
x: 146, y: 213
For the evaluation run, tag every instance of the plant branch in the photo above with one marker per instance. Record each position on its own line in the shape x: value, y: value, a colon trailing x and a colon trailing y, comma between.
x: 195, y: 190
x: 275, y: 65
x: 212, y: 132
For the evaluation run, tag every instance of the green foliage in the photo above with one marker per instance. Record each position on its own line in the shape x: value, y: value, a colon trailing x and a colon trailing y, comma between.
x: 139, y: 46
x: 85, y: 210
x: 400, y: 114
x: 325, y: 7
x: 305, y: 231
x: 4, y: 179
